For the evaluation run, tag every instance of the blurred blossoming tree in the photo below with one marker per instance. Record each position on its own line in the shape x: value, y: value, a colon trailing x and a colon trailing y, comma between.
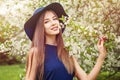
x: 88, y: 20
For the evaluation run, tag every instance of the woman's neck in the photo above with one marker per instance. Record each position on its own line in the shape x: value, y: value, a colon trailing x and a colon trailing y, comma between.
x: 51, y: 40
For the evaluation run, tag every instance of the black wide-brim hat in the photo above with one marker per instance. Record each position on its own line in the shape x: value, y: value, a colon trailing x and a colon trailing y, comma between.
x: 30, y: 25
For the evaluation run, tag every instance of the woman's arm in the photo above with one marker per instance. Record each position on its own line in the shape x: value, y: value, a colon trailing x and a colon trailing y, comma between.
x: 80, y: 73
x: 95, y: 71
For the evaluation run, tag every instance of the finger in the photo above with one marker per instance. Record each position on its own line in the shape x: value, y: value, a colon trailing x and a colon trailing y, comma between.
x: 102, y: 41
x: 99, y: 41
x: 104, y: 38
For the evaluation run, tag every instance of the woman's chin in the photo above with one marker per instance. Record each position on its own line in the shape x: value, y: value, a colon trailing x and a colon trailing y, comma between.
x: 55, y: 32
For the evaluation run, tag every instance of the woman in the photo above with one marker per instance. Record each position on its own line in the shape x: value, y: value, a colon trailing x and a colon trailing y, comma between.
x: 47, y: 58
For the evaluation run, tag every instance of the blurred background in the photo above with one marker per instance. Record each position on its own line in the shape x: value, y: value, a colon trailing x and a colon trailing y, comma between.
x: 88, y: 20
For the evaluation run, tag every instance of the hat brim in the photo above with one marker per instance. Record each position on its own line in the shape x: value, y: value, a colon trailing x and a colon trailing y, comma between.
x: 30, y: 25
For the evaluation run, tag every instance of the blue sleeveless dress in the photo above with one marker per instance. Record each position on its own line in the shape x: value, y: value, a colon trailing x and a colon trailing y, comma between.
x: 54, y: 69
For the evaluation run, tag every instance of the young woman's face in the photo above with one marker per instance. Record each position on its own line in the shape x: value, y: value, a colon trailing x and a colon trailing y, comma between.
x: 51, y: 23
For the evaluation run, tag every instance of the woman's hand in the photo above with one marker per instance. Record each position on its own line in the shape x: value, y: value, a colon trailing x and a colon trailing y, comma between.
x: 101, y: 47
x: 81, y: 74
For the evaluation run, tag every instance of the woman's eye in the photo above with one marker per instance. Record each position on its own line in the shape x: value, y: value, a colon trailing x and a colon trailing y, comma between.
x: 55, y: 18
x: 46, y: 21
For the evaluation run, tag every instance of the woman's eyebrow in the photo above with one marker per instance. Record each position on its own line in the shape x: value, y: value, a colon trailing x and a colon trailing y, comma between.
x: 46, y: 19
x: 52, y: 17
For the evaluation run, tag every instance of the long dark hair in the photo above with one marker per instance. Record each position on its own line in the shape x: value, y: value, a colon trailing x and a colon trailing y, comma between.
x: 36, y: 56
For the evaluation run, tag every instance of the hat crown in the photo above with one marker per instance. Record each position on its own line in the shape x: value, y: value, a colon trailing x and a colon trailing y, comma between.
x: 38, y: 10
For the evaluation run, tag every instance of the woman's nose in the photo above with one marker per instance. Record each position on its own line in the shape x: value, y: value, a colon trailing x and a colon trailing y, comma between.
x: 53, y: 22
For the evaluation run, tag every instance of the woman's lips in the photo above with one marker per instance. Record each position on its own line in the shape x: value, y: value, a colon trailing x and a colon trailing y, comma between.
x: 54, y: 28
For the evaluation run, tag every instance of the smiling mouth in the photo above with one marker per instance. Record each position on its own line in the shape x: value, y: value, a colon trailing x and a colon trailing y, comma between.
x: 54, y: 28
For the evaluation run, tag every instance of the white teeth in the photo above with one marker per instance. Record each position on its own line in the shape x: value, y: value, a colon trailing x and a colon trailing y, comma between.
x: 54, y: 28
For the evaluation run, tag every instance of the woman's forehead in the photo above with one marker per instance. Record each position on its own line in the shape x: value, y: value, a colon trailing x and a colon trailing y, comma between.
x: 50, y: 13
